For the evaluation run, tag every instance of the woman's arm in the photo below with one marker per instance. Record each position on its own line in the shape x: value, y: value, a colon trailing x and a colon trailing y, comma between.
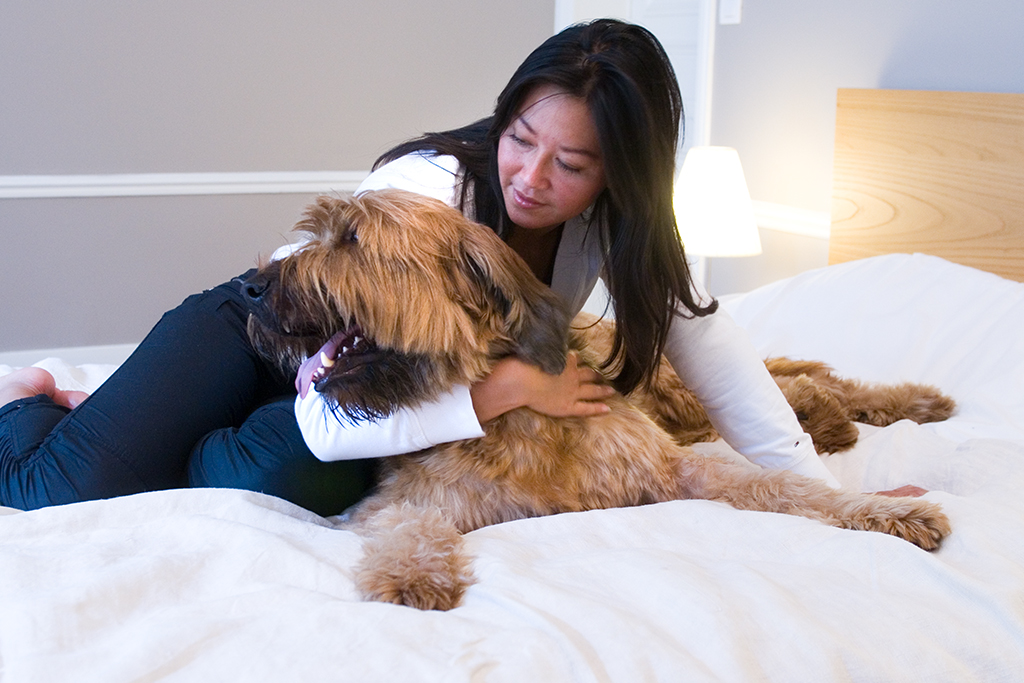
x: 330, y: 437
x: 455, y: 415
x: 715, y: 359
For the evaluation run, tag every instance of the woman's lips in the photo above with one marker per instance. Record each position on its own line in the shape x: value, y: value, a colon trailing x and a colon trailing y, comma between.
x: 524, y: 201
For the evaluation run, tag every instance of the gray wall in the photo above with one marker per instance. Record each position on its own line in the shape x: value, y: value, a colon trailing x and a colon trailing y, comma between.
x: 197, y: 86
x: 775, y: 81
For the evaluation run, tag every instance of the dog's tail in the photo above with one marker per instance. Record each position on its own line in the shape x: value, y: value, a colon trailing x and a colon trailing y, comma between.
x: 413, y: 556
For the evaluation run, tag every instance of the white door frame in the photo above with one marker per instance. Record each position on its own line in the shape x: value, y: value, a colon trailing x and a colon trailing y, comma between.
x: 699, y: 64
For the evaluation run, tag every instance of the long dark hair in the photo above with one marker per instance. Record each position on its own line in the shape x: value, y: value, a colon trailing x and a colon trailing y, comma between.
x: 624, y: 75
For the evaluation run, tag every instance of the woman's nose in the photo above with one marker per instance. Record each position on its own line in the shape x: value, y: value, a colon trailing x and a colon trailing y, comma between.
x: 534, y: 171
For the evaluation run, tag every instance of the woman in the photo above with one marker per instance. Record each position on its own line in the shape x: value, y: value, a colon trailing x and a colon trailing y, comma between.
x: 574, y: 171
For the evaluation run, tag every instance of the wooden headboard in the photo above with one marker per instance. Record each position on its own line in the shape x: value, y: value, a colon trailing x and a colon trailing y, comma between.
x: 935, y: 172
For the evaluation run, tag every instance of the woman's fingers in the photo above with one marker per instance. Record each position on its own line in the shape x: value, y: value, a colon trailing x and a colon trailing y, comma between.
x: 904, y: 491
x: 577, y: 391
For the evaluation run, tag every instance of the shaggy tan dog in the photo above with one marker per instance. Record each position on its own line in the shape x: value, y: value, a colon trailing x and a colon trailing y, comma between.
x: 411, y: 297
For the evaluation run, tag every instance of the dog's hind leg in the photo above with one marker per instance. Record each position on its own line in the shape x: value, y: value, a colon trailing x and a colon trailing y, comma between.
x: 882, y: 405
x: 912, y: 519
x: 874, y: 404
x: 820, y: 412
x: 413, y: 556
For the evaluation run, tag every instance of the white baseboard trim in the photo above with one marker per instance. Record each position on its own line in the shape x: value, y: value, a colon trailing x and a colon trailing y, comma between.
x: 785, y: 218
x: 178, y: 184
x: 108, y: 354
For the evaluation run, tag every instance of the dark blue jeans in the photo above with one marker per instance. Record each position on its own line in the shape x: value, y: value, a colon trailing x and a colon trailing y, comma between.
x: 194, y: 405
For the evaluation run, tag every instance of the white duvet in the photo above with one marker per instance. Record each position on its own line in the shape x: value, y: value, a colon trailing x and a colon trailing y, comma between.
x: 214, y: 585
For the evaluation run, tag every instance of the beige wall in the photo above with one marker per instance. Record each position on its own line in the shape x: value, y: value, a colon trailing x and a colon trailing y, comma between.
x: 193, y: 86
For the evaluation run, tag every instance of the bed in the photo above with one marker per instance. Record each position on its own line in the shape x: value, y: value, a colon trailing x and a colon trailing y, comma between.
x: 209, y: 585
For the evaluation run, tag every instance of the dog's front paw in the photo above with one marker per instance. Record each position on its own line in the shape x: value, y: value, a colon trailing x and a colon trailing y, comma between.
x: 413, y: 557
x: 922, y: 523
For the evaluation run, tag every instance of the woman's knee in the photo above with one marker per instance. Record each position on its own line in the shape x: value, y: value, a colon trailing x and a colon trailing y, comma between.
x: 267, y: 454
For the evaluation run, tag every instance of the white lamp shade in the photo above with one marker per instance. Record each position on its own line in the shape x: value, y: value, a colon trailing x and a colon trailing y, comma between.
x: 712, y: 204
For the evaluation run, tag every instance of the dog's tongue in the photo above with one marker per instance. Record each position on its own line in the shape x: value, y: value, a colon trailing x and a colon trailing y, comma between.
x: 310, y: 366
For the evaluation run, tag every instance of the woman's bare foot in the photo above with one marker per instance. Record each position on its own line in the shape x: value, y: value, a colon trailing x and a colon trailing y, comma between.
x: 69, y: 399
x: 28, y: 382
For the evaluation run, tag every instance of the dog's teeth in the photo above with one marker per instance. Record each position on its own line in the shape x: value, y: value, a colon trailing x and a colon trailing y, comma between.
x: 326, y: 360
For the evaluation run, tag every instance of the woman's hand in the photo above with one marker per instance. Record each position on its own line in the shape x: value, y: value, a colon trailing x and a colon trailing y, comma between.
x: 908, y: 491
x: 577, y: 392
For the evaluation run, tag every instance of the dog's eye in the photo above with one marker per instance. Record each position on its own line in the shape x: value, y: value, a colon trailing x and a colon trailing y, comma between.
x: 343, y: 230
x: 349, y: 236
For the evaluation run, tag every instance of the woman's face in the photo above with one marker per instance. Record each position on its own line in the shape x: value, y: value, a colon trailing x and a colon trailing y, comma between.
x: 549, y: 160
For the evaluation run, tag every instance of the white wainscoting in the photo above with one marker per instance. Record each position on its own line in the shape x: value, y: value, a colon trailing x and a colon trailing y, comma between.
x: 769, y: 215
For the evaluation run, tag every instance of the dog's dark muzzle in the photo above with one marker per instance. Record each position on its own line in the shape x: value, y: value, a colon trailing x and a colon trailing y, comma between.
x: 277, y: 328
x: 265, y: 329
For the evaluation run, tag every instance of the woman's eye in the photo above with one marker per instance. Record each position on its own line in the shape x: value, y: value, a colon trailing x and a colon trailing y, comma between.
x: 569, y: 169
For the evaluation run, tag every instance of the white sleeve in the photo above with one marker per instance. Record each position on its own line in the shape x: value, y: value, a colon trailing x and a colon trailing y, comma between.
x: 289, y: 249
x: 716, y: 360
x: 449, y: 418
x: 422, y: 173
x: 432, y: 176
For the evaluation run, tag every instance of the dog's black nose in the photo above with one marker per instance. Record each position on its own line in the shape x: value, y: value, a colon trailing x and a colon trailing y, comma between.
x: 255, y: 287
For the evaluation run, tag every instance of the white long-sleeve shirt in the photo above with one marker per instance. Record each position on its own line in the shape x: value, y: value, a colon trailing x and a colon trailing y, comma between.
x: 712, y: 355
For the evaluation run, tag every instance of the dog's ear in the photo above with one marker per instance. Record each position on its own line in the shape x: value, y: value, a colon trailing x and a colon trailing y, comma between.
x: 533, y: 318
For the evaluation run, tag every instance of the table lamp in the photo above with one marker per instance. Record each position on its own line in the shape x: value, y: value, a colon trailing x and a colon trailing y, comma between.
x: 713, y: 208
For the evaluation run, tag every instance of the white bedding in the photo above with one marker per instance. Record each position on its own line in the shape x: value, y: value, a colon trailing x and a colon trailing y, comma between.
x: 208, y: 585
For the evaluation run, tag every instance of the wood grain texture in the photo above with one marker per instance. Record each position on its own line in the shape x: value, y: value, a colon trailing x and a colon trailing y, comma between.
x: 933, y: 172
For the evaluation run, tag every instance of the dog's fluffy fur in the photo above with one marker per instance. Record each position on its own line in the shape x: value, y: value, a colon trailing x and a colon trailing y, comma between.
x: 435, y: 299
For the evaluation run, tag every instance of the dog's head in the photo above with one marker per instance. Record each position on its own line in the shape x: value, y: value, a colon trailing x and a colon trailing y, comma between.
x: 395, y: 298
